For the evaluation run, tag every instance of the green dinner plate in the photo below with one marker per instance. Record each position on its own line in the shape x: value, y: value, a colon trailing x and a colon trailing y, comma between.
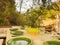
x: 51, y: 43
x: 17, y: 32
x: 13, y: 29
x: 19, y: 41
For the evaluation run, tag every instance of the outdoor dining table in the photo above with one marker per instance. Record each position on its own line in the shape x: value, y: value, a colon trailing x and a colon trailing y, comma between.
x: 36, y: 39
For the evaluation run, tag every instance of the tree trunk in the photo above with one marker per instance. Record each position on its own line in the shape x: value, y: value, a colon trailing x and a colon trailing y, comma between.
x: 21, y: 2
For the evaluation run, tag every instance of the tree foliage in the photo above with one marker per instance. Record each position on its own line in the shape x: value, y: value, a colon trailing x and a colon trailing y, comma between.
x: 40, y: 14
x: 32, y: 17
x: 7, y: 12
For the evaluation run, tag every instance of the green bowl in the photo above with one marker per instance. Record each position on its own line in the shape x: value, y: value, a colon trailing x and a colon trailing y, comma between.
x: 13, y: 29
x: 19, y: 41
x: 17, y: 32
x: 51, y: 43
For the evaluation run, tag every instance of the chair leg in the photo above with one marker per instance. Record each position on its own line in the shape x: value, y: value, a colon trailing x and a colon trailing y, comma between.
x: 4, y: 42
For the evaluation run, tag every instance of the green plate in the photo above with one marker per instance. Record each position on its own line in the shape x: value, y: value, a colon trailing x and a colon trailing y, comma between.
x: 19, y: 41
x: 52, y: 43
x: 16, y: 32
x: 13, y: 29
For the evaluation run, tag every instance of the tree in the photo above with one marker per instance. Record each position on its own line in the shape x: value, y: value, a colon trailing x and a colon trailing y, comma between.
x: 7, y: 11
x: 21, y: 20
x: 32, y: 17
x: 34, y: 14
x: 44, y: 3
x: 21, y: 2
